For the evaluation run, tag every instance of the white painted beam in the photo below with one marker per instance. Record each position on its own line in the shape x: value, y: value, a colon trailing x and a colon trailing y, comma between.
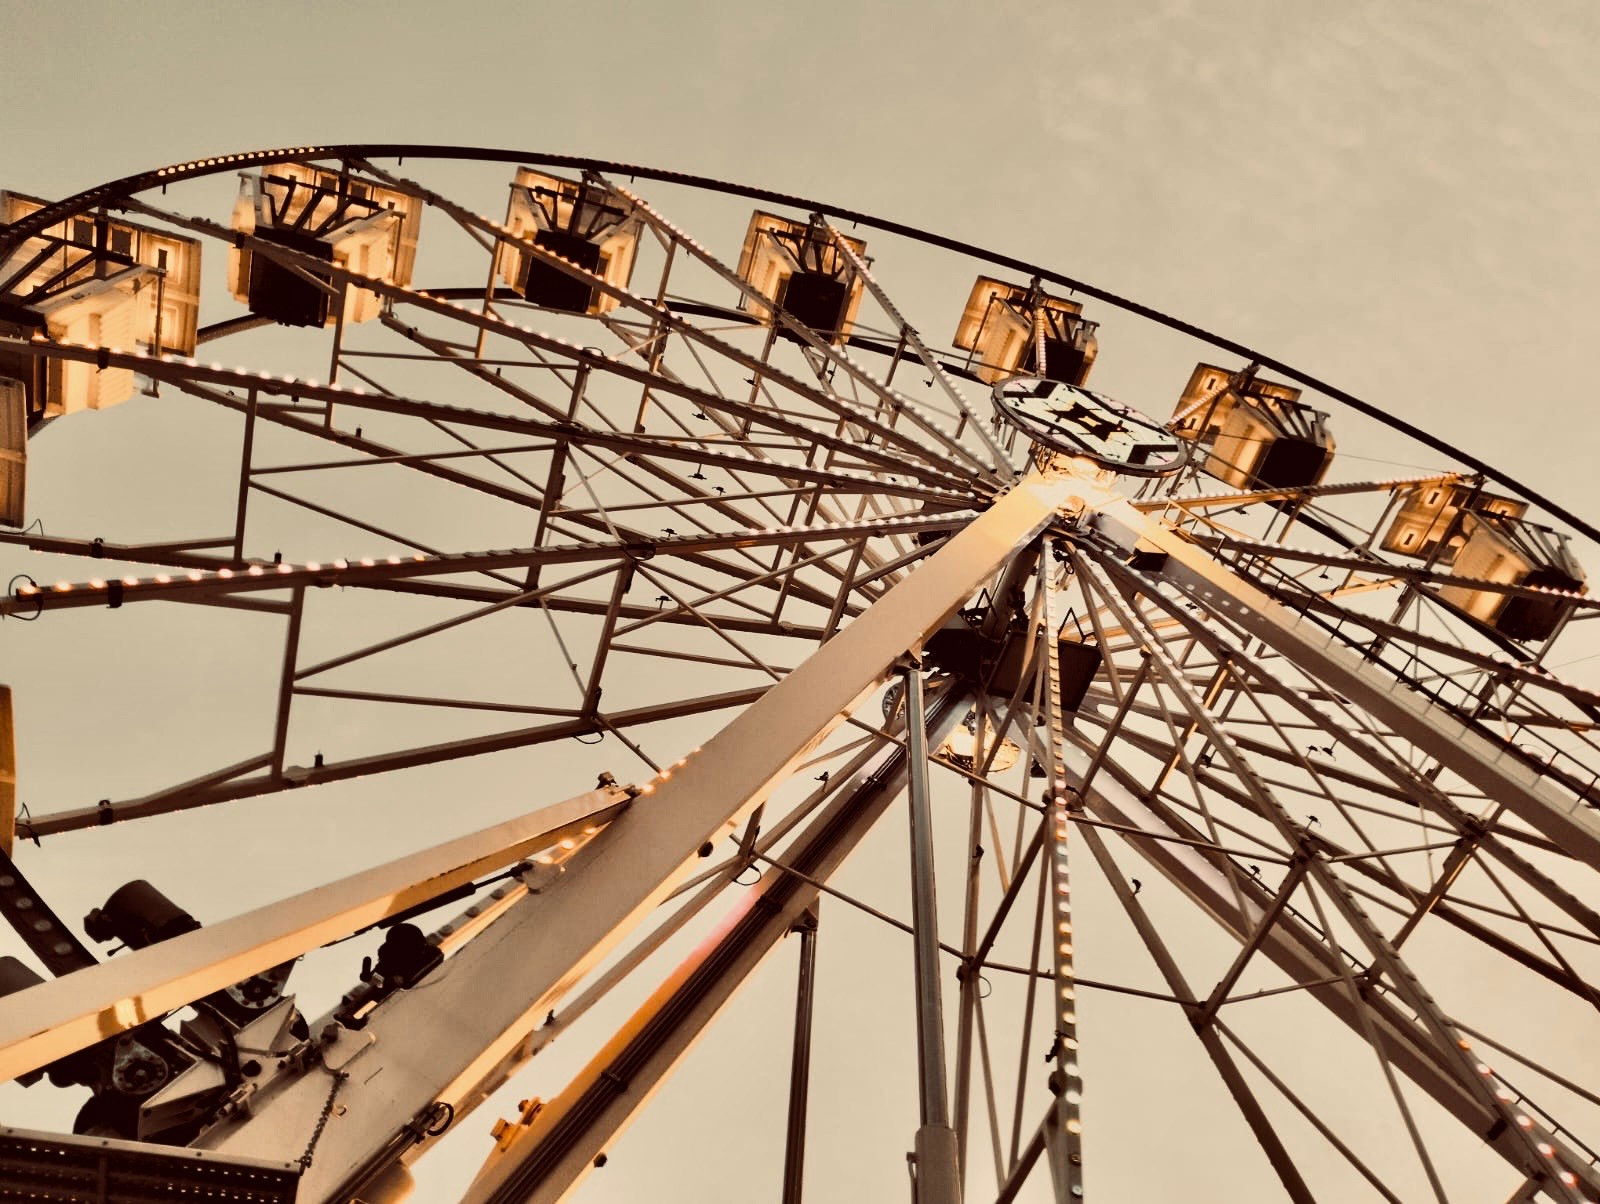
x: 456, y: 1037
x: 55, y: 1018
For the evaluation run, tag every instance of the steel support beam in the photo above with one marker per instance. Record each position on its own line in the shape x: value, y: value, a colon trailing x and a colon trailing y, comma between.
x: 485, y: 1001
x: 1300, y: 953
x: 560, y: 1145
x: 8, y: 772
x: 59, y: 1017
x: 1219, y: 993
x: 229, y: 783
x: 794, y: 1146
x: 937, y: 1156
x: 1515, y: 1136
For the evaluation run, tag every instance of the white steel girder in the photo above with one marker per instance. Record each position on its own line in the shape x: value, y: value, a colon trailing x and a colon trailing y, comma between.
x: 59, y: 1017
x: 559, y: 1145
x: 452, y: 1040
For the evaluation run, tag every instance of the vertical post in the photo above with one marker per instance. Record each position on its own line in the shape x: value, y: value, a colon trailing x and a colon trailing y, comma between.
x: 153, y: 389
x: 334, y: 355
x: 755, y: 383
x: 291, y: 650
x: 1063, y: 1127
x: 657, y: 336
x: 555, y: 482
x: 967, y: 997
x: 619, y: 591
x: 846, y: 584
x: 794, y: 1152
x: 937, y: 1158
x: 488, y: 290
x: 245, y: 453
x: 8, y: 772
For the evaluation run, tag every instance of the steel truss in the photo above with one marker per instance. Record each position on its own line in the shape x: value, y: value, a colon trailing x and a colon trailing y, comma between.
x: 1326, y: 769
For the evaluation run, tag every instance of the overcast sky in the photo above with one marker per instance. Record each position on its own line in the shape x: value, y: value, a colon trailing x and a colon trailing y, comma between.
x: 1398, y: 197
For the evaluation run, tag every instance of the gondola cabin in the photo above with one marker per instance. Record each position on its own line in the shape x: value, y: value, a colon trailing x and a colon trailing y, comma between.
x: 324, y: 216
x: 1260, y: 434
x: 8, y: 776
x: 97, y: 282
x: 1079, y: 661
x: 1006, y: 326
x: 1431, y: 524
x: 22, y: 375
x: 1507, y: 550
x: 578, y: 223
x: 1211, y: 395
x: 13, y: 452
x: 796, y: 267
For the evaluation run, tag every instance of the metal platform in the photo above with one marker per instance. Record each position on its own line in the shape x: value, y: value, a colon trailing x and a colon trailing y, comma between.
x: 99, y: 1170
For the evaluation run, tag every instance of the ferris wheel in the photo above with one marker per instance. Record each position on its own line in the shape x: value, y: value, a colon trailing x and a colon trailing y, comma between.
x: 731, y: 543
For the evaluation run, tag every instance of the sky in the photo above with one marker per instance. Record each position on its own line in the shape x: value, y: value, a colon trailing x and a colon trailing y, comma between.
x: 1396, y: 197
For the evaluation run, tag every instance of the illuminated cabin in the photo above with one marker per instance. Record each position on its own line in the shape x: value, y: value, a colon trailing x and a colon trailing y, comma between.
x: 8, y: 776
x: 1512, y: 551
x: 352, y: 224
x: 795, y: 266
x: 13, y: 452
x: 1002, y: 326
x: 583, y: 224
x: 100, y: 282
x: 1260, y: 434
x: 1431, y: 513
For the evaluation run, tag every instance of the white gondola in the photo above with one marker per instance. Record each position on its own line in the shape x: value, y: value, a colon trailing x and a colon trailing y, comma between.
x: 8, y: 774
x: 796, y: 267
x: 353, y: 224
x: 1260, y: 434
x: 1431, y: 524
x: 1004, y: 325
x: 99, y: 282
x: 1507, y: 550
x: 581, y: 223
x: 13, y: 452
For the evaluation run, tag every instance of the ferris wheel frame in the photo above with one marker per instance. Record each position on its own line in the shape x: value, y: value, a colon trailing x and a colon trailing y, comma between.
x: 1128, y: 558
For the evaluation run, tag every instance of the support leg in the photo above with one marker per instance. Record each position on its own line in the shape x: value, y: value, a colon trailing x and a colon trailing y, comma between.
x: 794, y: 1153
x: 938, y: 1169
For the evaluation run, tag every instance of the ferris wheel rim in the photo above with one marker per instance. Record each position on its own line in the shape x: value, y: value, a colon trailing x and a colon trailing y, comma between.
x: 115, y: 190
x: 355, y: 154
